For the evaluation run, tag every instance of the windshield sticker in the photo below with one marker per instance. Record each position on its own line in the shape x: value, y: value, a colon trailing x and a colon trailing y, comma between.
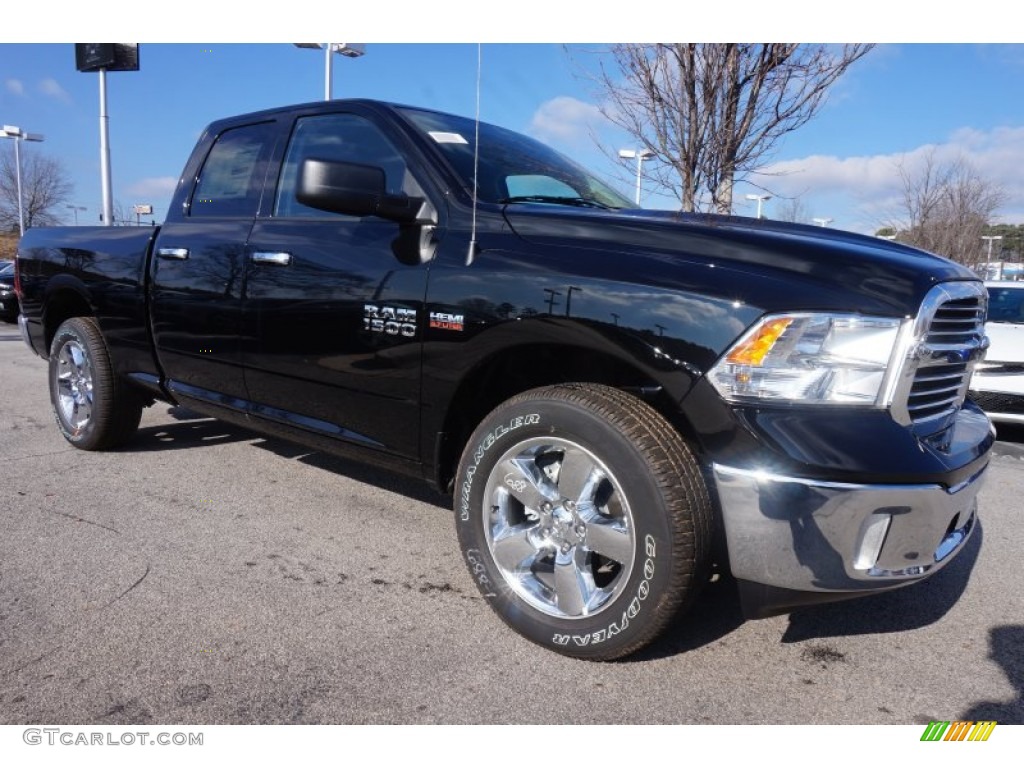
x: 444, y: 137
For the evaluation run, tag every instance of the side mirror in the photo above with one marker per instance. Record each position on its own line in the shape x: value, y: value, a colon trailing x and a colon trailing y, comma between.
x: 357, y: 190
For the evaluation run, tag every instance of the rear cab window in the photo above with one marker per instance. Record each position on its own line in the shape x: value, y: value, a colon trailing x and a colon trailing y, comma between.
x: 231, y: 180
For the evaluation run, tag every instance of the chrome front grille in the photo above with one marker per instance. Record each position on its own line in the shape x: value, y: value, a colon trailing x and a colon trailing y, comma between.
x: 936, y: 390
x: 948, y: 340
x: 957, y: 322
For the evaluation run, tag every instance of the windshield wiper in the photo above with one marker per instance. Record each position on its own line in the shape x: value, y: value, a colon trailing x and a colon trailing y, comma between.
x: 579, y: 202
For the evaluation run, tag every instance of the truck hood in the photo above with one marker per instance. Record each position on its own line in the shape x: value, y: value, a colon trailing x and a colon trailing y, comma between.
x: 817, y: 266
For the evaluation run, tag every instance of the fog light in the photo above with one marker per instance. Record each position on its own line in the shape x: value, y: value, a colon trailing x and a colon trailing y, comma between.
x: 871, y: 540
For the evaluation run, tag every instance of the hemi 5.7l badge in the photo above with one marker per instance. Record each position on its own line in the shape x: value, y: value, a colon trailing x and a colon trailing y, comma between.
x: 447, y: 322
x: 394, y: 321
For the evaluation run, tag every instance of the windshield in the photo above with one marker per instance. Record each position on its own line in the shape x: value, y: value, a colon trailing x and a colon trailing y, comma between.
x: 6, y: 268
x: 1006, y: 305
x: 513, y: 168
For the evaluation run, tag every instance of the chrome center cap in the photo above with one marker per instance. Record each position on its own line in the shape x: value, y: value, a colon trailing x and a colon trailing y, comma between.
x: 567, y: 530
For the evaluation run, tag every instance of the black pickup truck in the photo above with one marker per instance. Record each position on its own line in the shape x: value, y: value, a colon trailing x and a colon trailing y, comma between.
x: 617, y: 399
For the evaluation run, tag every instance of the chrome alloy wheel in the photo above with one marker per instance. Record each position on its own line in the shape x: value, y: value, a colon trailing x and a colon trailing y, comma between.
x: 558, y: 527
x: 74, y: 385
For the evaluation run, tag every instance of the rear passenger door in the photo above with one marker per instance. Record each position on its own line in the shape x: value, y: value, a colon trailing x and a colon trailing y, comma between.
x: 198, y: 270
x: 334, y: 306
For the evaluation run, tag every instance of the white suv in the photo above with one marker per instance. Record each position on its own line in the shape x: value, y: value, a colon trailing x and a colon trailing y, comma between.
x: 998, y: 382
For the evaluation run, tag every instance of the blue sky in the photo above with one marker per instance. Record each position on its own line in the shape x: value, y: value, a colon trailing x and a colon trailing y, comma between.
x: 890, y: 108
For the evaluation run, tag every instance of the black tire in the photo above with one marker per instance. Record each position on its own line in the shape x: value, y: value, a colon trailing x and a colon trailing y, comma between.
x: 584, y: 519
x: 94, y: 409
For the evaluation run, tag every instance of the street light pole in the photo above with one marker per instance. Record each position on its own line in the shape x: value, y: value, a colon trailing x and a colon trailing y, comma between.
x: 76, y: 209
x: 760, y: 199
x: 990, y: 238
x: 568, y: 298
x: 640, y: 155
x: 352, y: 50
x: 14, y: 132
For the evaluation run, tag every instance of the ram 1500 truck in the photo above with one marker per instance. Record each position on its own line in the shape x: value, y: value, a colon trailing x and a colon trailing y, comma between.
x: 616, y: 398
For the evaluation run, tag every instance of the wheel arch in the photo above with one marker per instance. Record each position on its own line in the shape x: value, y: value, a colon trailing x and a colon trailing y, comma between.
x: 502, y: 375
x: 66, y: 297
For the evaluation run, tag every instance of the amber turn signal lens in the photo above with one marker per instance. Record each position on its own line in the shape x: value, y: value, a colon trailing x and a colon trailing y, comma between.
x: 754, y: 350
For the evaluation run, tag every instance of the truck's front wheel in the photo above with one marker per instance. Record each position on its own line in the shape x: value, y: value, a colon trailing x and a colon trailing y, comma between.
x: 94, y: 410
x: 583, y: 518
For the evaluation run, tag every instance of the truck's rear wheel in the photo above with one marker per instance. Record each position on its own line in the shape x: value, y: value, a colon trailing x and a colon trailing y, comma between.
x: 93, y: 409
x: 584, y: 519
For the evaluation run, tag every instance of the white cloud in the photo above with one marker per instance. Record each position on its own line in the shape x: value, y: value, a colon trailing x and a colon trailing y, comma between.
x: 155, y: 187
x: 15, y: 86
x: 870, y: 188
x: 564, y: 118
x: 52, y: 88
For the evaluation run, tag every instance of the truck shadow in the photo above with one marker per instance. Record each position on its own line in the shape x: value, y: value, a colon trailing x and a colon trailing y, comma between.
x: 1005, y: 643
x: 717, y: 611
x: 363, y: 473
x: 715, y: 614
x: 191, y: 430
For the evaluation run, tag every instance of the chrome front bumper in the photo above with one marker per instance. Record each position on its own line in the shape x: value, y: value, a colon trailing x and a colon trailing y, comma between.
x: 808, y: 536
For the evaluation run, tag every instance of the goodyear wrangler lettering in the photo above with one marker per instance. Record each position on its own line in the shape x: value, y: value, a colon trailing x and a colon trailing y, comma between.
x: 478, y: 455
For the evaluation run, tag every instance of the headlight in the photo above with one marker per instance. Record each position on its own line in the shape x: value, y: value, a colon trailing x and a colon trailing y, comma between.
x: 809, y: 358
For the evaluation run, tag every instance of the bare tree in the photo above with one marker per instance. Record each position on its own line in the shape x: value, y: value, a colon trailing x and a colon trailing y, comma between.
x: 45, y: 188
x: 713, y: 112
x: 947, y: 206
x: 792, y: 209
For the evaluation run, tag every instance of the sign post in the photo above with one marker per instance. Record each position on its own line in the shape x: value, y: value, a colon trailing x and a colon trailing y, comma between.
x: 104, y: 57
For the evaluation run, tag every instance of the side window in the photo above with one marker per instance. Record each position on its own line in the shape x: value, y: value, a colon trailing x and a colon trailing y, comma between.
x: 232, y: 176
x: 345, y: 137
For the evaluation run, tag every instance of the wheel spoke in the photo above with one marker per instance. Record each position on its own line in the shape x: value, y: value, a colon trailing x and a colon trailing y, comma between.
x: 523, y: 481
x: 83, y: 411
x: 512, y: 547
x: 573, y: 585
x: 77, y: 356
x: 609, y: 538
x: 578, y: 476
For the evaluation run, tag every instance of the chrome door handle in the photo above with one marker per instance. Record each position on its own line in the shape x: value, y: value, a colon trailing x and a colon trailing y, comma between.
x: 172, y: 253
x: 278, y: 258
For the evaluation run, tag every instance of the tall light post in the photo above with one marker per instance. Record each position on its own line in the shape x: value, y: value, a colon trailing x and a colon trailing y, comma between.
x: 103, y: 58
x: 640, y: 155
x: 352, y: 50
x: 76, y: 209
x: 14, y: 132
x: 990, y: 238
x: 822, y: 222
x: 760, y: 199
x: 568, y: 298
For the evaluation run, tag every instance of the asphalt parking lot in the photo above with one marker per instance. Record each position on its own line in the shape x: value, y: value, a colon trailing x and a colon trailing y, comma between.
x: 204, y: 574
